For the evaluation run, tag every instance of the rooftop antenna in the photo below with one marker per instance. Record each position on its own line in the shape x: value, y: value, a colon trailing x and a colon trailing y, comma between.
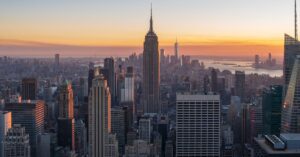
x: 296, y: 32
x: 151, y: 22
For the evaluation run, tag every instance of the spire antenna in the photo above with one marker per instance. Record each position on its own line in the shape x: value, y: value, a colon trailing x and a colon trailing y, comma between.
x: 151, y: 8
x: 151, y: 21
x: 296, y: 31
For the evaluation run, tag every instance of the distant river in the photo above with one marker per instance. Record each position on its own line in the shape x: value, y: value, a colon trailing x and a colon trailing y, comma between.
x: 238, y: 65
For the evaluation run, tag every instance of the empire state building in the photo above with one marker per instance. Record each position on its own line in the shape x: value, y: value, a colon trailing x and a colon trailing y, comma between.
x: 151, y: 72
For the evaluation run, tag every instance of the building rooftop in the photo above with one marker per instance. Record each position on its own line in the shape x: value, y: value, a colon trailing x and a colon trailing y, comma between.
x: 275, y: 141
x: 290, y: 136
x: 191, y: 97
x: 269, y: 150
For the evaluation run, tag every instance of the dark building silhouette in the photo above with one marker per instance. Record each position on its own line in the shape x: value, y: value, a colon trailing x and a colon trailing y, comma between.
x: 109, y: 64
x: 206, y: 87
x: 56, y: 64
x: 29, y: 88
x: 65, y: 121
x: 151, y: 72
x: 128, y: 109
x: 271, y: 109
x: 91, y: 76
x: 163, y: 128
x: 240, y: 85
x: 84, y: 108
x: 120, y: 81
x: 214, y: 81
x: 118, y: 126
x: 57, y: 59
x: 66, y: 132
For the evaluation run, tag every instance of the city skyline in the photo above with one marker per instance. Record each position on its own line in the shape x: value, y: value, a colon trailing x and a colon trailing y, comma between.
x: 95, y: 28
x: 150, y: 78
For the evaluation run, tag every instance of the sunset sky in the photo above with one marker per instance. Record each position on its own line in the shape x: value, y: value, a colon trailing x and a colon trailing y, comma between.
x: 118, y: 27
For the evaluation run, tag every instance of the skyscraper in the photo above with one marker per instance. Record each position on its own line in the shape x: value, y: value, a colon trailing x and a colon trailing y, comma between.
x: 255, y: 120
x: 56, y: 63
x: 57, y: 59
x: 151, y: 72
x: 162, y: 56
x: 29, y: 88
x: 239, y: 85
x: 16, y: 142
x: 129, y: 86
x: 128, y: 95
x: 290, y: 119
x: 66, y: 132
x: 120, y: 81
x: 291, y: 50
x: 163, y: 129
x: 128, y: 111
x: 31, y: 116
x: 91, y: 76
x: 99, y: 115
x: 271, y: 106
x: 198, y: 125
x: 109, y: 64
x: 81, y: 144
x: 118, y: 126
x: 214, y: 81
x: 65, y: 101
x: 206, y: 84
x: 5, y: 124
x: 65, y: 121
x: 176, y: 49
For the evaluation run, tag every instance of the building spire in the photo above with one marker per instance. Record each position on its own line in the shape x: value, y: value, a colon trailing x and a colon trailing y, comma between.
x: 151, y: 21
x: 296, y: 32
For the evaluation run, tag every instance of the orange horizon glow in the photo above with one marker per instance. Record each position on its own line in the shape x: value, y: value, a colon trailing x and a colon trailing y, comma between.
x: 211, y: 47
x: 138, y: 41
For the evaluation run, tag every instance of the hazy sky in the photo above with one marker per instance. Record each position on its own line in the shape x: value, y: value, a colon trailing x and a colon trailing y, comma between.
x: 216, y: 27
